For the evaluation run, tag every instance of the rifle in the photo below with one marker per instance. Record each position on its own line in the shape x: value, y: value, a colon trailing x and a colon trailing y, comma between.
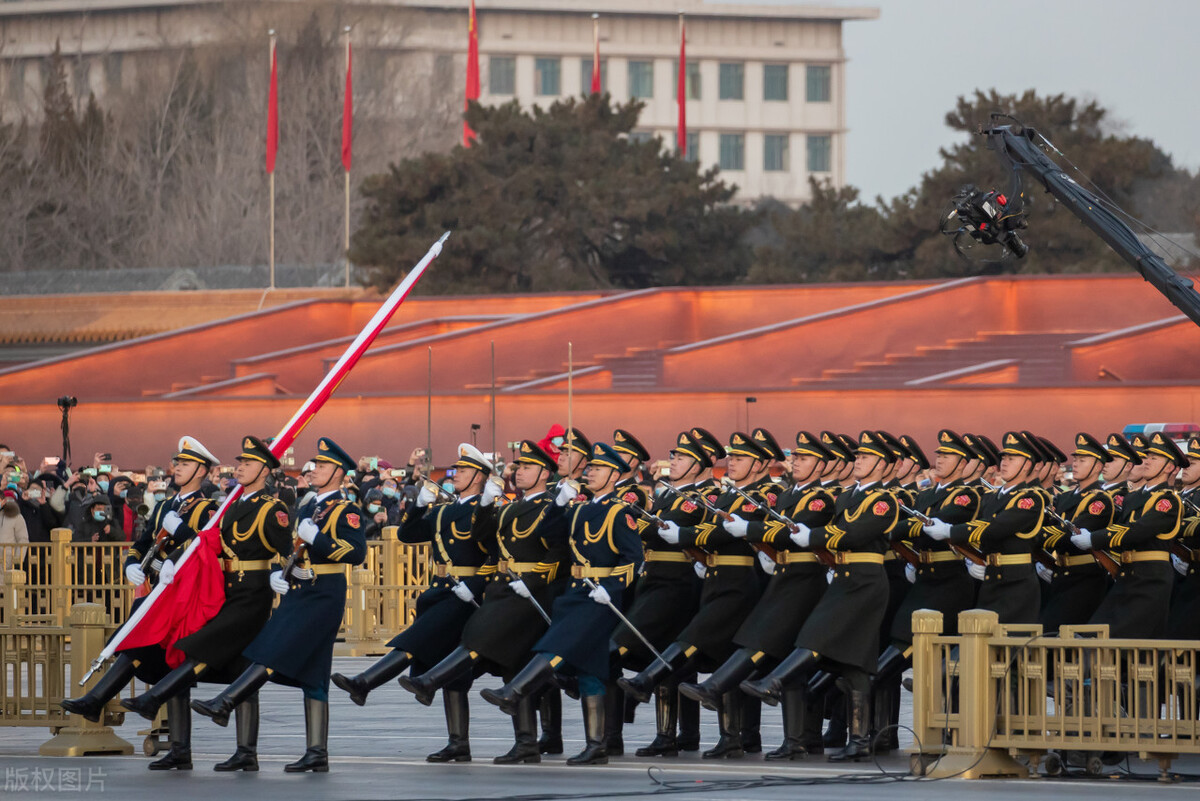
x: 1102, y: 557
x: 723, y: 516
x: 160, y: 539
x: 695, y: 554
x: 966, y: 551
x: 1177, y: 547
x: 822, y: 554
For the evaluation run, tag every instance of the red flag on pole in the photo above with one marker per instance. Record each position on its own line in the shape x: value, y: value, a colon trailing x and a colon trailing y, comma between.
x: 347, y: 113
x: 596, y: 54
x: 472, y: 74
x: 681, y: 91
x: 272, y: 115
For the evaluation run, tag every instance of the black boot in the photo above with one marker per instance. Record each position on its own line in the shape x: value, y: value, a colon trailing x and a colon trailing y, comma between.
x: 799, y: 739
x: 642, y: 685
x: 730, y: 722
x: 179, y: 724
x: 525, y: 749
x: 458, y: 662
x: 593, y: 728
x: 550, y: 712
x: 377, y: 675
x: 770, y: 687
x: 859, y: 745
x: 316, y: 729
x: 91, y: 704
x: 751, y: 725
x: 177, y: 681
x: 689, y: 723
x: 242, y: 688
x: 535, y: 675
x: 835, y: 707
x: 885, y: 698
x: 666, y: 709
x: 723, y: 679
x: 246, y: 756
x: 614, y: 720
x: 458, y: 722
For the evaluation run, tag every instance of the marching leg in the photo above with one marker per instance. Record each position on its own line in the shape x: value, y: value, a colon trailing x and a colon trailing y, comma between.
x: 550, y: 712
x: 525, y: 749
x: 316, y: 728
x: 666, y: 708
x: 378, y: 674
x: 246, y: 756
x: 730, y: 719
x: 242, y: 688
x: 458, y: 722
x: 593, y: 726
x: 179, y: 723
x: 91, y: 704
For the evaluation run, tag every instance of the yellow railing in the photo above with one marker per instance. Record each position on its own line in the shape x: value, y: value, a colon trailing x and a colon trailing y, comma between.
x: 993, y: 693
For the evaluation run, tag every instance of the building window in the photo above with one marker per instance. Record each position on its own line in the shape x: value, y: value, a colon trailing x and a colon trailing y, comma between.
x: 820, y: 153
x: 640, y: 137
x: 585, y: 75
x: 112, y: 71
x: 502, y: 75
x: 16, y: 81
x: 733, y: 81
x: 693, y: 80
x: 775, y: 153
x: 818, y: 84
x: 775, y: 82
x: 733, y: 152
x: 547, y: 78
x: 641, y: 79
x: 693, y: 147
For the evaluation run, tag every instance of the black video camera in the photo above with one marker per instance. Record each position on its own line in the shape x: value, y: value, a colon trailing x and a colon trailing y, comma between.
x: 988, y: 217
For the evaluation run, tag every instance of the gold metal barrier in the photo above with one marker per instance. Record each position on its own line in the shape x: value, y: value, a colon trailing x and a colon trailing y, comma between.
x: 996, y: 692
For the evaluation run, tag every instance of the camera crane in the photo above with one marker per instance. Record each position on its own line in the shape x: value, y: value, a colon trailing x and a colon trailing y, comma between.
x: 990, y: 217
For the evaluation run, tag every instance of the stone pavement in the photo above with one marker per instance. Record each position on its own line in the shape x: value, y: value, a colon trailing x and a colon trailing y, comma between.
x: 377, y: 752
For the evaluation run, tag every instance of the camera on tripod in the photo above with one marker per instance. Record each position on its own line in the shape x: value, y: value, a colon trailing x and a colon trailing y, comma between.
x: 68, y: 402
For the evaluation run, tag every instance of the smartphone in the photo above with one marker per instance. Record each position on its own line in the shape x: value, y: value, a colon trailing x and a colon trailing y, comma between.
x: 106, y: 457
x: 401, y: 473
x: 374, y: 463
x: 106, y: 468
x: 52, y: 460
x: 88, y: 471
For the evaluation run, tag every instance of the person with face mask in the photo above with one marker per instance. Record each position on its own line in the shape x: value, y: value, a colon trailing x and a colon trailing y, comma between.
x: 377, y: 516
x: 98, y: 524
x: 12, y: 531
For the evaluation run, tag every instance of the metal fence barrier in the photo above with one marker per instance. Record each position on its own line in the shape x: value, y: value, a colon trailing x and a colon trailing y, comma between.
x: 994, y: 693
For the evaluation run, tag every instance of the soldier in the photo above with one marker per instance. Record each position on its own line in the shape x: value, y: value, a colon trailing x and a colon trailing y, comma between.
x: 731, y: 588
x: 1139, y: 601
x: 1183, y: 621
x: 1117, y: 472
x: 1078, y: 583
x: 1006, y: 532
x: 857, y: 537
x: 796, y: 585
x: 254, y: 532
x: 1137, y: 476
x: 189, y: 468
x: 606, y: 552
x: 296, y: 646
x: 530, y: 550
x: 461, y: 532
x: 667, y: 594
x: 635, y: 455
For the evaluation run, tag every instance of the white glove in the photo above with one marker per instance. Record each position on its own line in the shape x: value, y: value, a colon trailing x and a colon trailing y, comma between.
x: 1082, y: 540
x: 600, y: 595
x: 801, y: 535
x: 171, y: 521
x: 736, y: 526
x: 277, y: 583
x: 910, y: 573
x: 977, y: 571
x: 830, y: 575
x: 307, y: 530
x: 566, y: 494
x: 670, y: 534
x: 491, y: 491
x: 1181, y: 567
x: 938, y: 529
x: 463, y: 593
x: 519, y: 588
x: 134, y: 574
x: 700, y: 568
x: 166, y: 573
x: 768, y: 564
x: 1044, y: 573
x: 425, y: 497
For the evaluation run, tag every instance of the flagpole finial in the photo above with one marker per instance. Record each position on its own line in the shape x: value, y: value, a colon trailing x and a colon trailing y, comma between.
x: 346, y: 29
x: 595, y: 15
x: 271, y: 32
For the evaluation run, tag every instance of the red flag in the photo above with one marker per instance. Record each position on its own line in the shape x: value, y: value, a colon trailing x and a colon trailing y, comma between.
x: 472, y: 74
x: 596, y: 54
x: 347, y: 114
x: 272, y: 116
x: 681, y: 91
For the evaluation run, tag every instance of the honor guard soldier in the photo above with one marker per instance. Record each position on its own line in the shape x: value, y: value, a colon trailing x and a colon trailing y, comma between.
x: 857, y: 537
x: 1006, y: 531
x: 572, y: 459
x: 667, y: 593
x: 1078, y: 583
x: 1183, y: 622
x: 296, y: 646
x: 1137, y: 476
x: 707, y: 485
x: 1117, y: 472
x: 531, y: 549
x: 189, y: 468
x: 461, y: 532
x: 731, y: 588
x: 796, y: 585
x: 606, y: 551
x: 1143, y: 534
x: 254, y: 532
x: 635, y: 455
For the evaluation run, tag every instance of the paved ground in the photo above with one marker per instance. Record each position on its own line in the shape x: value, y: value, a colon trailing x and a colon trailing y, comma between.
x: 378, y: 752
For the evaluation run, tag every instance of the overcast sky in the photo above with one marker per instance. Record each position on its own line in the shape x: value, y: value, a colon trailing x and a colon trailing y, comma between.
x: 1139, y: 58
